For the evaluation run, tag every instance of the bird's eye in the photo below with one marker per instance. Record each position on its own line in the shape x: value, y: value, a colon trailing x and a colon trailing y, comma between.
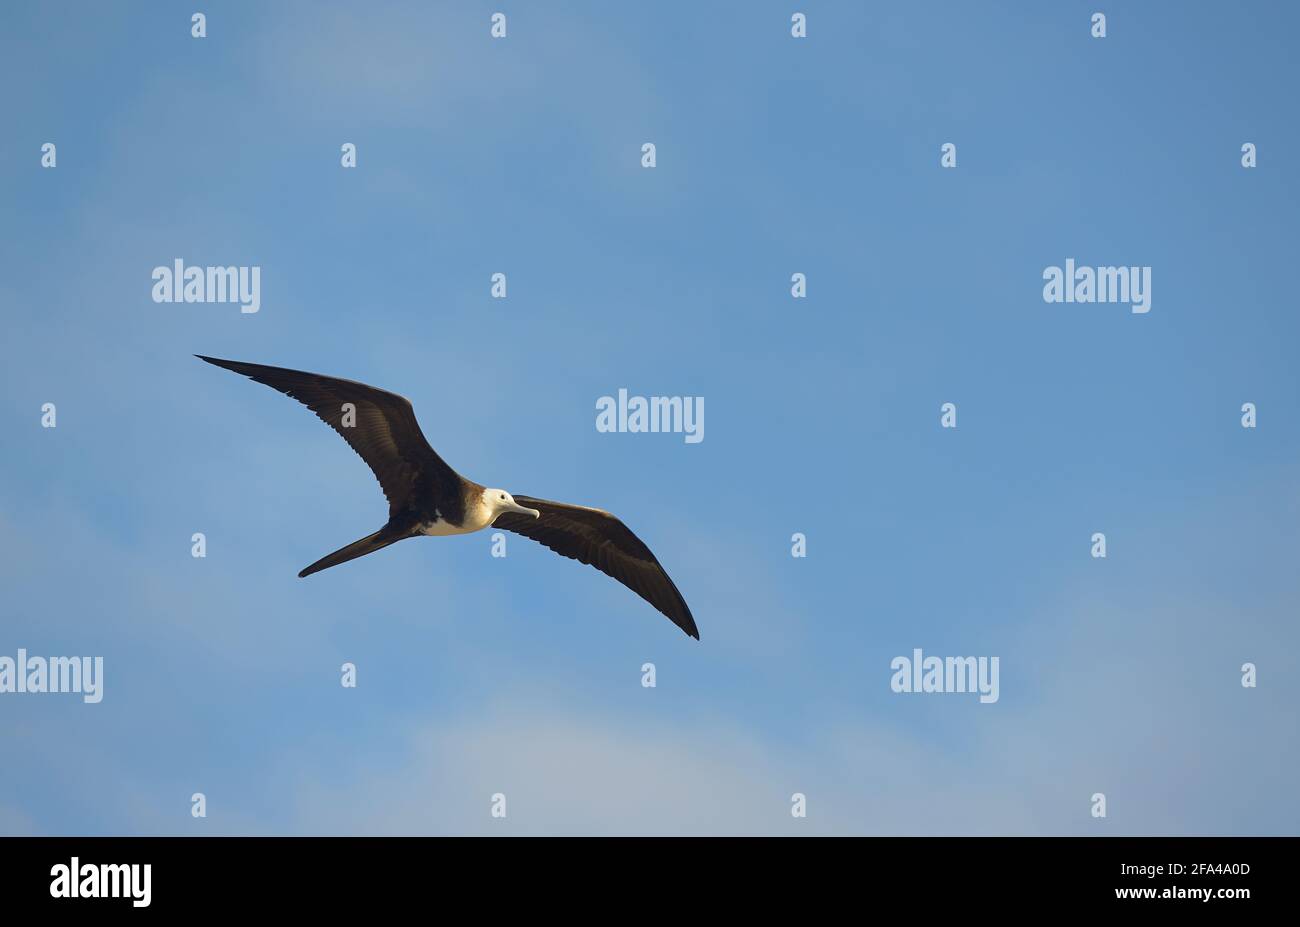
x: 503, y: 498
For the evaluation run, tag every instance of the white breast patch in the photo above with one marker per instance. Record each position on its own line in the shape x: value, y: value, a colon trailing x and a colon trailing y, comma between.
x: 439, y: 528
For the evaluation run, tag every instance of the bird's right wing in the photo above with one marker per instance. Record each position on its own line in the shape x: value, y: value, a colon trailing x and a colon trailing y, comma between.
x: 384, y: 432
x: 596, y: 537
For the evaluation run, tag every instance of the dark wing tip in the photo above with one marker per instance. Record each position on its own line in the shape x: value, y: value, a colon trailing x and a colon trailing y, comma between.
x: 216, y: 361
x: 686, y: 622
x: 580, y: 532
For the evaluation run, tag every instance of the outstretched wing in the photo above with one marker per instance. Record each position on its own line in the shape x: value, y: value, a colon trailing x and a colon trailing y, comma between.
x: 380, y: 426
x: 597, y: 538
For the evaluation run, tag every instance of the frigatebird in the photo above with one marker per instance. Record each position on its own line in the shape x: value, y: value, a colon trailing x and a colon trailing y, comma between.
x: 427, y: 497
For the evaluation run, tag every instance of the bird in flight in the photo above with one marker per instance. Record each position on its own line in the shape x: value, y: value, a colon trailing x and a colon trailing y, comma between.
x: 427, y: 497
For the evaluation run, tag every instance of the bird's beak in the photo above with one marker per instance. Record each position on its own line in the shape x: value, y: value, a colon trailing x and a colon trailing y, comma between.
x: 525, y: 511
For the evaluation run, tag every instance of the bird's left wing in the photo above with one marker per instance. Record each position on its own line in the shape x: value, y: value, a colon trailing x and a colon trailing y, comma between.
x: 384, y: 434
x: 595, y: 537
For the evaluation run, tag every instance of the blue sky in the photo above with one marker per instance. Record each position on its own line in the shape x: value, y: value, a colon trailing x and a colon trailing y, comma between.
x: 774, y: 156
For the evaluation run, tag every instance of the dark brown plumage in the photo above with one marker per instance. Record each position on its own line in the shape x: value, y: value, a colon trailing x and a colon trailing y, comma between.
x: 386, y: 434
x: 426, y: 496
x: 597, y: 538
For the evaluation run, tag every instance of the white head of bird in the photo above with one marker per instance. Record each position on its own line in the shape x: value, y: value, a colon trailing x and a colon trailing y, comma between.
x: 498, y: 502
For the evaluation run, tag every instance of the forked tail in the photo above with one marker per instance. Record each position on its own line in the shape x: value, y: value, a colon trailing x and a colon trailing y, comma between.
x: 367, y: 545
